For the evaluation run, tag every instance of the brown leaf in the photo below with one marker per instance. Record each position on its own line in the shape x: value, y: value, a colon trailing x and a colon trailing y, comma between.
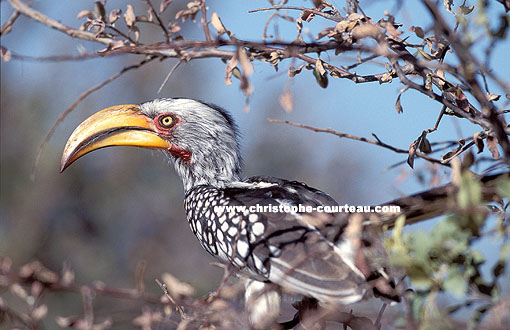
x: 39, y: 312
x: 328, y: 31
x: 129, y: 16
x: 99, y: 10
x: 356, y: 16
x: 412, y: 152
x: 366, y: 30
x: 164, y: 5
x: 425, y: 146
x: 231, y: 65
x: 461, y: 100
x: 148, y: 317
x: 398, y: 106
x: 286, y: 100
x: 293, y: 71
x: 493, y: 97
x: 492, y: 145
x: 150, y: 15
x: 448, y: 155
x: 176, y: 287
x: 418, y: 31
x: 217, y: 24
x: 85, y: 13
x: 448, y: 5
x: 345, y: 25
x: 299, y: 25
x: 244, y: 61
x: 478, y: 142
x: 6, y: 54
x: 307, y: 15
x: 386, y: 77
x: 114, y: 15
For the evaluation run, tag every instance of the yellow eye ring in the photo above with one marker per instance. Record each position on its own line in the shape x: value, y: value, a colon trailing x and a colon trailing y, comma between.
x: 166, y: 121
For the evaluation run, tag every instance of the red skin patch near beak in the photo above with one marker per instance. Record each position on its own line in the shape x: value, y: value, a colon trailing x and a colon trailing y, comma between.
x: 180, y: 153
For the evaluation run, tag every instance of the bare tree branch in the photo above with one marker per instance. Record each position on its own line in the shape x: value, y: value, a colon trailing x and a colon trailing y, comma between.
x: 356, y: 138
x: 37, y: 16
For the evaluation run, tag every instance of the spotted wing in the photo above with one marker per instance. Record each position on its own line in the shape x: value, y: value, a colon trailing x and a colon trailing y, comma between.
x: 304, y: 253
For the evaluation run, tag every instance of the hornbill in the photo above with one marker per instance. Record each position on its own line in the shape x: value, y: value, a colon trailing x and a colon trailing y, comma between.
x: 332, y: 258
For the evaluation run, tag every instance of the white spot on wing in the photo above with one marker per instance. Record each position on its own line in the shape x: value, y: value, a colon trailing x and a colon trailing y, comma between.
x: 242, y: 248
x: 258, y: 228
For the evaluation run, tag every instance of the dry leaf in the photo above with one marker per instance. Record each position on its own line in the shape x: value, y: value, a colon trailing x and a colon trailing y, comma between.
x: 448, y: 5
x: 286, y: 100
x: 461, y: 100
x: 148, y: 317
x: 39, y: 313
x: 478, y: 142
x: 245, y: 63
x: 231, y: 65
x: 6, y: 54
x: 425, y: 146
x: 114, y: 15
x: 345, y: 25
x: 99, y: 10
x: 492, y: 145
x: 84, y: 13
x: 355, y: 16
x: 493, y: 97
x: 292, y: 71
x: 366, y: 30
x: 386, y: 77
x: 418, y: 31
x: 398, y: 106
x: 217, y: 24
x: 176, y: 287
x: 129, y: 16
x: 412, y: 152
x: 164, y: 5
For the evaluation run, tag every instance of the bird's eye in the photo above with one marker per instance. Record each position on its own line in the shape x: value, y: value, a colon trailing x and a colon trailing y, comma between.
x: 166, y: 121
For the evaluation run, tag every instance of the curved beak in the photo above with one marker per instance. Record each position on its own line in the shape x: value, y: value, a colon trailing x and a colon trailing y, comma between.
x: 120, y: 125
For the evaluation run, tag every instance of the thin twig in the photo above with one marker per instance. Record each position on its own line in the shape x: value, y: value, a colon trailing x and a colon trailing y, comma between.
x: 205, y: 24
x: 167, y: 294
x: 310, y: 10
x: 377, y: 142
x: 7, y: 27
x: 122, y: 34
x: 37, y: 16
x: 168, y: 75
x: 160, y: 22
x: 67, y: 111
x: 54, y: 58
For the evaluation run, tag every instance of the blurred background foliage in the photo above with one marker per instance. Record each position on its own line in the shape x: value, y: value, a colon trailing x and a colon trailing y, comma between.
x: 115, y: 211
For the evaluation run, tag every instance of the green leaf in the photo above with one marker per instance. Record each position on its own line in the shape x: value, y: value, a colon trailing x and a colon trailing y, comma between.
x: 455, y: 283
x: 470, y: 191
x: 322, y: 79
x: 503, y: 187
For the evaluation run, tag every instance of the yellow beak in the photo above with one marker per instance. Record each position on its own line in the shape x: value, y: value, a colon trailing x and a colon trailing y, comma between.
x: 120, y: 125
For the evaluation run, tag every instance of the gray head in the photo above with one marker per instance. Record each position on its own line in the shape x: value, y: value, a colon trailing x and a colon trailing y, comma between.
x: 201, y: 139
x: 204, y: 139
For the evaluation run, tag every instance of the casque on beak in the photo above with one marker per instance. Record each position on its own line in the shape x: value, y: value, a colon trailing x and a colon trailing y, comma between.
x: 120, y: 125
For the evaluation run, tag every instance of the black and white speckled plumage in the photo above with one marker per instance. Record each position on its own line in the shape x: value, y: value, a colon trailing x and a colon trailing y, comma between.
x: 283, y: 248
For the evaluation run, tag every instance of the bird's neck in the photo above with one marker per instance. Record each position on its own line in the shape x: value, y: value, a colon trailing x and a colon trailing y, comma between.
x: 208, y: 170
